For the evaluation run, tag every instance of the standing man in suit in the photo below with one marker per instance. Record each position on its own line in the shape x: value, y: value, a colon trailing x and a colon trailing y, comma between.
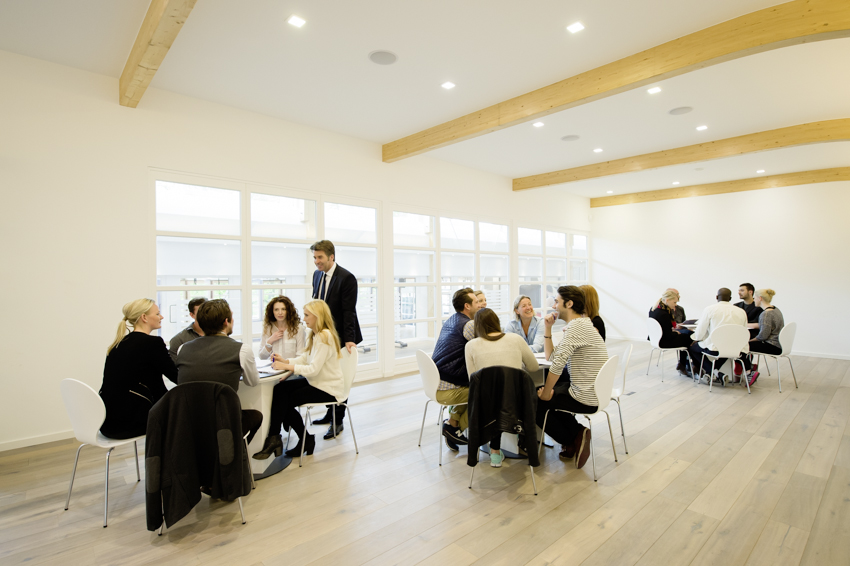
x: 336, y: 286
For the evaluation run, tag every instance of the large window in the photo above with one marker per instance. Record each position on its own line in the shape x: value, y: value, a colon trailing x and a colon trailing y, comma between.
x: 414, y: 283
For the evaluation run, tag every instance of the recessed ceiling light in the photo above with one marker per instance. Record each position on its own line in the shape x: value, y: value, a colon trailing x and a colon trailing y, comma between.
x: 701, y: 128
x: 575, y: 28
x: 296, y: 21
x: 698, y: 169
x: 654, y: 90
x: 448, y: 85
x: 383, y: 57
x: 680, y: 110
x: 675, y: 182
x: 760, y: 171
x: 571, y: 137
x: 597, y: 150
x: 538, y: 124
x: 609, y: 192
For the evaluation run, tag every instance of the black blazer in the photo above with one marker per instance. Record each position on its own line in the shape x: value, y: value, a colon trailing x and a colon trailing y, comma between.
x: 341, y: 296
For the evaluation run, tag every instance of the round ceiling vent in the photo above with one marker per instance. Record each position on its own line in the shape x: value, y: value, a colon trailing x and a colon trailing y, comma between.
x: 681, y: 110
x: 382, y: 57
x: 570, y: 138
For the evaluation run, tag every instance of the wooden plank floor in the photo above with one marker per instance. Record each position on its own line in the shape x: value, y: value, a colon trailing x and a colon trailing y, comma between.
x: 721, y: 478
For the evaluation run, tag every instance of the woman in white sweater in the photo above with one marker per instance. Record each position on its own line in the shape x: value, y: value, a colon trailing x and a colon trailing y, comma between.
x: 318, y: 379
x: 492, y: 347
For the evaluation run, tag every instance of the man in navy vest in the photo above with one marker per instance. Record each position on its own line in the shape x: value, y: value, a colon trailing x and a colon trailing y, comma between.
x: 336, y: 286
x: 450, y: 360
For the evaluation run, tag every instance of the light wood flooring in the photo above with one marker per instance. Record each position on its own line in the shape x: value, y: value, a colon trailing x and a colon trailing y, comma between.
x: 721, y: 478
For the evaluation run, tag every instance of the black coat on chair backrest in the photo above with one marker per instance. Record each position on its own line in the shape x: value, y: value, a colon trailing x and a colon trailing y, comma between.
x: 502, y: 399
x: 194, y: 439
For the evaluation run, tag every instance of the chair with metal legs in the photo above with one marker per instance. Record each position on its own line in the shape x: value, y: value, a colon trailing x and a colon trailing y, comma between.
x: 603, y: 387
x: 655, y: 334
x: 786, y: 342
x: 87, y: 412
x: 617, y: 392
x: 348, y: 364
x: 729, y: 340
x: 430, y: 381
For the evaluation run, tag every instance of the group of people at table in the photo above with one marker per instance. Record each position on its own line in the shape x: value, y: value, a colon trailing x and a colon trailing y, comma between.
x: 755, y: 311
x: 472, y: 339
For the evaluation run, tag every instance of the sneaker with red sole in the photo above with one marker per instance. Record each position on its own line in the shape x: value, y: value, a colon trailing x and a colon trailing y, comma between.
x: 754, y: 375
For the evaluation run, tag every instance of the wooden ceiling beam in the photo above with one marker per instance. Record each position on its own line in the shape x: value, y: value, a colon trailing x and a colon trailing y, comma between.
x: 802, y: 134
x: 162, y: 23
x: 737, y: 186
x: 792, y: 23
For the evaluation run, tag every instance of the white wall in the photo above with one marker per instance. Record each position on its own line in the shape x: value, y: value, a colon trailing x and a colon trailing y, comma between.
x: 793, y: 240
x: 77, y: 215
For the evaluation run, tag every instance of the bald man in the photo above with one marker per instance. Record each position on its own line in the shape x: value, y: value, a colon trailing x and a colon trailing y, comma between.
x: 721, y: 313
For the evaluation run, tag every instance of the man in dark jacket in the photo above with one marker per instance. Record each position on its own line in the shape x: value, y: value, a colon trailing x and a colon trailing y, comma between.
x: 449, y: 358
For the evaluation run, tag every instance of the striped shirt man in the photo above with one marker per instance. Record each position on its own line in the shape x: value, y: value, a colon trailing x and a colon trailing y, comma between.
x: 582, y: 351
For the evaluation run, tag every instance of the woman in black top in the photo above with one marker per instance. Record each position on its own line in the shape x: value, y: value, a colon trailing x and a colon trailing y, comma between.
x: 591, y: 307
x: 132, y: 376
x: 663, y: 312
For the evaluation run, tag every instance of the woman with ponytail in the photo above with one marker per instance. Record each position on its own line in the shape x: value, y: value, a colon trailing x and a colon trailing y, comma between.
x: 771, y: 322
x: 132, y: 376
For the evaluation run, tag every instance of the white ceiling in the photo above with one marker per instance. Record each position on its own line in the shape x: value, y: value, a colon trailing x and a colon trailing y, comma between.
x: 244, y: 54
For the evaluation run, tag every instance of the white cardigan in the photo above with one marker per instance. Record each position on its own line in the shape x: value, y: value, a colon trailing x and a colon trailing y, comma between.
x: 321, y: 366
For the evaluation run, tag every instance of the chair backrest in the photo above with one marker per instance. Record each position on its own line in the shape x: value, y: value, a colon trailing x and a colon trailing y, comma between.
x: 729, y: 340
x: 655, y: 332
x: 621, y: 388
x: 604, y: 384
x: 786, y: 337
x: 348, y: 365
x: 429, y: 373
x: 85, y: 409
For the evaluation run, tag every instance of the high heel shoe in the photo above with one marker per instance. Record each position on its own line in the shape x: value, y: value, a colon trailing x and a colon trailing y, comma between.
x: 273, y: 444
x: 309, y: 446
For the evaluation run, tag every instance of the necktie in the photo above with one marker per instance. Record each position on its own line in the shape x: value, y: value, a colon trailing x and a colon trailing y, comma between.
x: 324, y: 279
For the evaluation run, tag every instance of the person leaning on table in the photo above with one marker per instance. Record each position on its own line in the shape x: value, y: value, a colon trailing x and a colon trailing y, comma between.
x: 771, y: 322
x: 283, y: 333
x: 132, y: 375
x: 316, y: 378
x: 525, y: 324
x: 580, y: 355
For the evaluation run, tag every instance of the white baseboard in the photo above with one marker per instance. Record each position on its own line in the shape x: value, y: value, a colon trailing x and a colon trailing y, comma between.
x: 796, y: 352
x: 35, y: 440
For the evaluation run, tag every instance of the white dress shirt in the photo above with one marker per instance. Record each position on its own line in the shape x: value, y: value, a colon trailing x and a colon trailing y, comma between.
x: 285, y: 348
x: 714, y: 316
x: 327, y: 275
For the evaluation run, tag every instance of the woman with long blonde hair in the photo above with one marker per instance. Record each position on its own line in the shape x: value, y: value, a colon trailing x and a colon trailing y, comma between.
x: 132, y: 375
x: 323, y: 381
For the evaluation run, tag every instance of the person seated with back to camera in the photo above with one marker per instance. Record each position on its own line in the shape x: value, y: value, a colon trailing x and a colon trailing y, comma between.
x: 217, y: 357
x: 719, y: 314
x: 771, y: 322
x: 591, y: 307
x: 449, y: 358
x: 579, y: 356
x: 132, y: 375
x: 190, y: 332
x: 664, y: 312
x: 492, y: 347
x: 525, y: 324
x: 283, y: 334
x: 316, y: 378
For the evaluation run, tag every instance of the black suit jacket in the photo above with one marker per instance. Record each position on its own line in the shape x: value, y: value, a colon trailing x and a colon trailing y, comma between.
x: 341, y: 296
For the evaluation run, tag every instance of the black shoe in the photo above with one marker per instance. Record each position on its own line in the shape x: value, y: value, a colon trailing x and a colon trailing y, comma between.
x: 454, y: 434
x: 330, y: 434
x: 309, y: 446
x: 273, y: 444
x: 451, y: 444
x: 324, y: 420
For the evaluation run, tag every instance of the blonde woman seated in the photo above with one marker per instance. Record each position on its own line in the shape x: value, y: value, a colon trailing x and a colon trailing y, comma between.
x: 492, y: 347
x: 525, y: 324
x: 316, y: 378
x: 283, y: 334
x: 771, y: 322
x: 132, y: 376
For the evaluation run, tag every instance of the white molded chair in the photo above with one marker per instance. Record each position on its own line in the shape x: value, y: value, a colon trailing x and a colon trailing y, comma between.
x: 603, y: 387
x: 655, y: 333
x: 87, y: 412
x: 430, y: 381
x: 729, y: 340
x: 786, y: 341
x: 618, y: 391
x: 348, y: 364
